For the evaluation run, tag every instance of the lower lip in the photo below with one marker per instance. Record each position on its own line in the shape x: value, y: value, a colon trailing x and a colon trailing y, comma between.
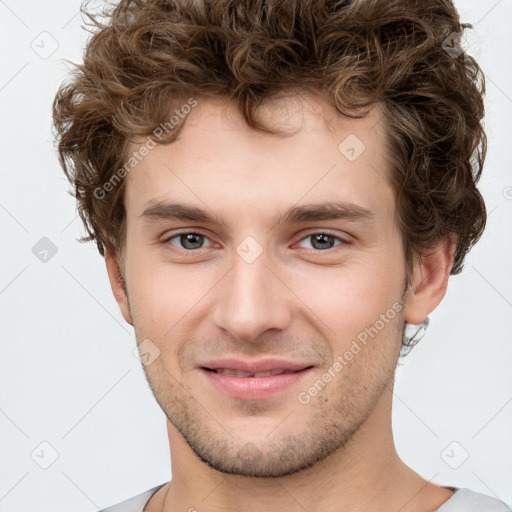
x: 253, y: 388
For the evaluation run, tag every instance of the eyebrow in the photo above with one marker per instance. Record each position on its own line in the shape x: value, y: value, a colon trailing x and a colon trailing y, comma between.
x: 296, y: 214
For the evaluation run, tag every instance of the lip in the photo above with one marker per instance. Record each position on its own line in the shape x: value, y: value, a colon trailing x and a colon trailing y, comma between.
x: 254, y: 388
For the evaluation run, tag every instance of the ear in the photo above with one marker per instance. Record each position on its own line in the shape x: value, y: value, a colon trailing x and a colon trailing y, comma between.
x: 118, y: 284
x: 429, y: 281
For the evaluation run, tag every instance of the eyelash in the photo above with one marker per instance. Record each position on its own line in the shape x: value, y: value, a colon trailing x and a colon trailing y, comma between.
x: 309, y: 235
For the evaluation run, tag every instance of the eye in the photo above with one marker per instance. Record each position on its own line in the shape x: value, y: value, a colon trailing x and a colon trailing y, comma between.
x: 191, y: 241
x: 188, y: 241
x: 321, y: 241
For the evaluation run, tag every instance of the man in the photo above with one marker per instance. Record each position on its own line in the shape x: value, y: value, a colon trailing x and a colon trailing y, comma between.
x: 281, y: 190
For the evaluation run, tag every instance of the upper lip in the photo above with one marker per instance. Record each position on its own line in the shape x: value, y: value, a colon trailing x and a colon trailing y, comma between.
x: 260, y: 365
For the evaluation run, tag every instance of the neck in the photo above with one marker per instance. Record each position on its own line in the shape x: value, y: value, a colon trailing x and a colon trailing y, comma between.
x: 365, y: 474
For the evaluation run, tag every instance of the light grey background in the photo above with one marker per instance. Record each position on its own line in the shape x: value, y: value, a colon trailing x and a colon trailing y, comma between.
x: 68, y: 375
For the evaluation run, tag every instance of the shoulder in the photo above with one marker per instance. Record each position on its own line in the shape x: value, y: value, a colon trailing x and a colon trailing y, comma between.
x: 464, y: 500
x: 135, y: 504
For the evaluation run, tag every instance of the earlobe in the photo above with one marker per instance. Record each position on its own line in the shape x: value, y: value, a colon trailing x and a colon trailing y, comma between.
x: 118, y: 285
x: 430, y: 281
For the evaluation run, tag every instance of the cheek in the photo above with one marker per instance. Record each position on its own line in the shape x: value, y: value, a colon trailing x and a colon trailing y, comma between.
x: 149, y: 292
x: 344, y: 301
x: 164, y: 297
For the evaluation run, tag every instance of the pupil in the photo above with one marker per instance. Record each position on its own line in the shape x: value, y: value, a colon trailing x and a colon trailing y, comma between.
x: 322, y: 238
x: 191, y: 240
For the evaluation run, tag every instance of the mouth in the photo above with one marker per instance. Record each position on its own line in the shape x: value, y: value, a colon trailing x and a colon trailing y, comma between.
x: 254, y: 380
x: 239, y: 373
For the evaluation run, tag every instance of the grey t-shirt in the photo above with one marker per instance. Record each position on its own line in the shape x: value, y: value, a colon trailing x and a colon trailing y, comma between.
x: 463, y: 500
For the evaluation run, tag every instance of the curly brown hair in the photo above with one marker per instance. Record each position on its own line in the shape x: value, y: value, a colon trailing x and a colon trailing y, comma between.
x: 145, y: 58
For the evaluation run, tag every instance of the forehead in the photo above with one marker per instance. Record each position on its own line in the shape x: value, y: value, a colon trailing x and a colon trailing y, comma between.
x: 219, y: 162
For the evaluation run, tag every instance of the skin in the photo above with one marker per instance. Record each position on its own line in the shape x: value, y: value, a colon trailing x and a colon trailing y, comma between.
x: 298, y: 300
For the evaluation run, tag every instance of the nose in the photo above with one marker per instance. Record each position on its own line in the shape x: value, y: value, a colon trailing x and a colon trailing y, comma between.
x: 252, y: 299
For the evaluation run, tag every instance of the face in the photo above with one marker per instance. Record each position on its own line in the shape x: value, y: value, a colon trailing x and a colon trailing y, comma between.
x: 260, y: 274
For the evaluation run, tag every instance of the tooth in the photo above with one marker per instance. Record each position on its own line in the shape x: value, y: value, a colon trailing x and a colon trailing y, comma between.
x: 227, y: 371
x: 243, y: 374
x: 238, y: 373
